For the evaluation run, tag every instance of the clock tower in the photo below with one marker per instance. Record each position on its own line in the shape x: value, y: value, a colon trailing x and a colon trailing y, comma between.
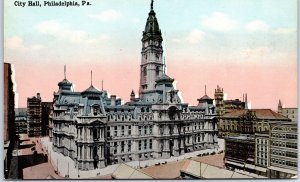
x: 152, y: 64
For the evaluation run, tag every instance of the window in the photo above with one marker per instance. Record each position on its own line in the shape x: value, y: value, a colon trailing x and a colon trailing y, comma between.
x: 129, y: 130
x: 145, y: 130
x: 122, y: 146
x: 140, y: 130
x: 115, y: 147
x: 145, y: 144
x: 116, y: 131
x: 122, y: 130
x: 150, y: 144
x: 129, y: 146
x: 157, y: 70
x: 150, y: 130
x: 108, y: 131
x: 145, y: 71
x: 140, y: 145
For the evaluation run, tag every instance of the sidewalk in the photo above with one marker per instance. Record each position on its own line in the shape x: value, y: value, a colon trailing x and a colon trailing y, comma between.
x: 66, y: 166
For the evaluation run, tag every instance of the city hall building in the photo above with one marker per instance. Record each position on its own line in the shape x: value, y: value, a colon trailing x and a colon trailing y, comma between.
x: 96, y: 130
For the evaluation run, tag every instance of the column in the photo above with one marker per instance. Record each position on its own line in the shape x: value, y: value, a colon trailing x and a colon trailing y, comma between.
x: 83, y: 133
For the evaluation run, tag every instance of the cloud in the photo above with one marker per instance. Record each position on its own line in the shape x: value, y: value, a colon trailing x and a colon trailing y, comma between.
x: 219, y: 22
x: 17, y: 43
x: 285, y: 30
x: 257, y: 26
x: 14, y: 43
x: 255, y: 52
x: 194, y: 37
x: 64, y: 31
x: 108, y: 15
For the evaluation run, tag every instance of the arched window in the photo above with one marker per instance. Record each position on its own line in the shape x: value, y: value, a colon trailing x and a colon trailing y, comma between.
x: 145, y: 71
x: 157, y: 70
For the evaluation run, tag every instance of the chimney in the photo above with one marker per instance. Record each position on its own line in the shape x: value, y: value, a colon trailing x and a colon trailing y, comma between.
x: 38, y: 95
x: 113, y: 100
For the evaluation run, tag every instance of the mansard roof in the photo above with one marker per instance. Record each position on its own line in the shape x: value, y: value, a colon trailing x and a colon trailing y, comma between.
x: 65, y: 82
x: 260, y: 114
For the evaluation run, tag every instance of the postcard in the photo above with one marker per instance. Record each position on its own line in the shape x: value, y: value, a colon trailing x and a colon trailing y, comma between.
x: 149, y: 89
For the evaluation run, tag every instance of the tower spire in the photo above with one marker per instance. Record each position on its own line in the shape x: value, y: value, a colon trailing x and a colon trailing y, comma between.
x: 91, y: 78
x: 205, y: 89
x: 102, y: 85
x: 65, y: 70
x: 152, y: 4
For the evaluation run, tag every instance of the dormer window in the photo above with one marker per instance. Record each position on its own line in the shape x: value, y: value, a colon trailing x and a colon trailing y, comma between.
x: 96, y: 110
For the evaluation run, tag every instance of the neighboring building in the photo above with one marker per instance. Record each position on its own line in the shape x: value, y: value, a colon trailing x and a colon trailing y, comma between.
x: 95, y: 130
x: 225, y: 106
x: 9, y: 117
x: 21, y: 120
x: 9, y: 103
x: 240, y: 153
x: 34, y: 116
x: 47, y: 109
x: 247, y: 121
x: 283, y: 150
x: 262, y: 153
x: 291, y: 113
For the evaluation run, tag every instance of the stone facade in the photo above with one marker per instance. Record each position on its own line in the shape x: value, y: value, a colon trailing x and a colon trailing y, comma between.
x: 283, y: 150
x: 247, y: 121
x: 96, y: 130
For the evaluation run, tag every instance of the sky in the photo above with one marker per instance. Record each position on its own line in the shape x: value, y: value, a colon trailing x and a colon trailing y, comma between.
x: 244, y: 46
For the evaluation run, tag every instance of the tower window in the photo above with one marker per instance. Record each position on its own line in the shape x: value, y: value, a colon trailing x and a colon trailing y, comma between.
x: 145, y: 71
x: 157, y: 70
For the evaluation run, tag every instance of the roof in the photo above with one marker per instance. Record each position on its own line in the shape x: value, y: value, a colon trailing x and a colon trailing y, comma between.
x: 260, y: 114
x: 64, y: 82
x: 206, y: 171
x: 164, y: 77
x: 205, y: 97
x: 92, y: 89
x: 170, y: 170
x: 124, y: 171
x: 152, y: 28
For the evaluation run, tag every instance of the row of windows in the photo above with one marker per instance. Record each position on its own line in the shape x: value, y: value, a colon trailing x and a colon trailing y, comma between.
x: 116, y: 129
x: 145, y: 130
x: 285, y: 144
x: 143, y: 145
x: 261, y: 161
x: 156, y: 71
x: 280, y: 135
x: 122, y: 144
x: 283, y: 162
